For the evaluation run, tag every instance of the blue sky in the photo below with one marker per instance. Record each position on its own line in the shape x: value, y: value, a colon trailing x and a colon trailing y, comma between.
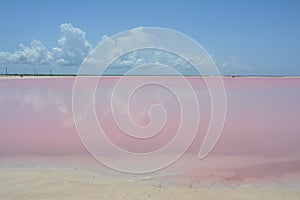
x: 243, y: 37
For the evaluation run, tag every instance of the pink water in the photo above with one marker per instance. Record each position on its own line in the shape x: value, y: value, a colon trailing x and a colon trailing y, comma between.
x: 260, y: 140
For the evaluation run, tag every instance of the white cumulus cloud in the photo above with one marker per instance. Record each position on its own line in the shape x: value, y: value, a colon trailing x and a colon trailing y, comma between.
x: 73, y: 46
x: 232, y: 65
x: 71, y: 50
x: 36, y: 53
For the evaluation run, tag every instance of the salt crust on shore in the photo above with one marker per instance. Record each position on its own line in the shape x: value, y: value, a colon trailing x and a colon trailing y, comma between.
x: 70, y: 183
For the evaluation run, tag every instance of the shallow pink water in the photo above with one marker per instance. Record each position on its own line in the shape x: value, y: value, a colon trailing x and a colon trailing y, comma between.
x: 260, y: 137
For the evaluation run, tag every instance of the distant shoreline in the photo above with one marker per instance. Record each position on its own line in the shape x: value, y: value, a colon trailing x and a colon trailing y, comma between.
x: 3, y: 76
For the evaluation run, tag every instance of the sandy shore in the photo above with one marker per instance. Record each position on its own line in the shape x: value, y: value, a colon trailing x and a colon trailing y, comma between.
x: 70, y: 183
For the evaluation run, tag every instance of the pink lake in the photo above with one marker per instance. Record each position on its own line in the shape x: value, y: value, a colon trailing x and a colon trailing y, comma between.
x: 260, y: 141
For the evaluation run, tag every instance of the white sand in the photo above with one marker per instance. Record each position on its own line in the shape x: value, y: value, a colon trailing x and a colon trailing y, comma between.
x: 51, y: 183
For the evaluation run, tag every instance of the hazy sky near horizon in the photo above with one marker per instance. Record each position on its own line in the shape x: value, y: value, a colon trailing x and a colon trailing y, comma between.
x: 243, y: 37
